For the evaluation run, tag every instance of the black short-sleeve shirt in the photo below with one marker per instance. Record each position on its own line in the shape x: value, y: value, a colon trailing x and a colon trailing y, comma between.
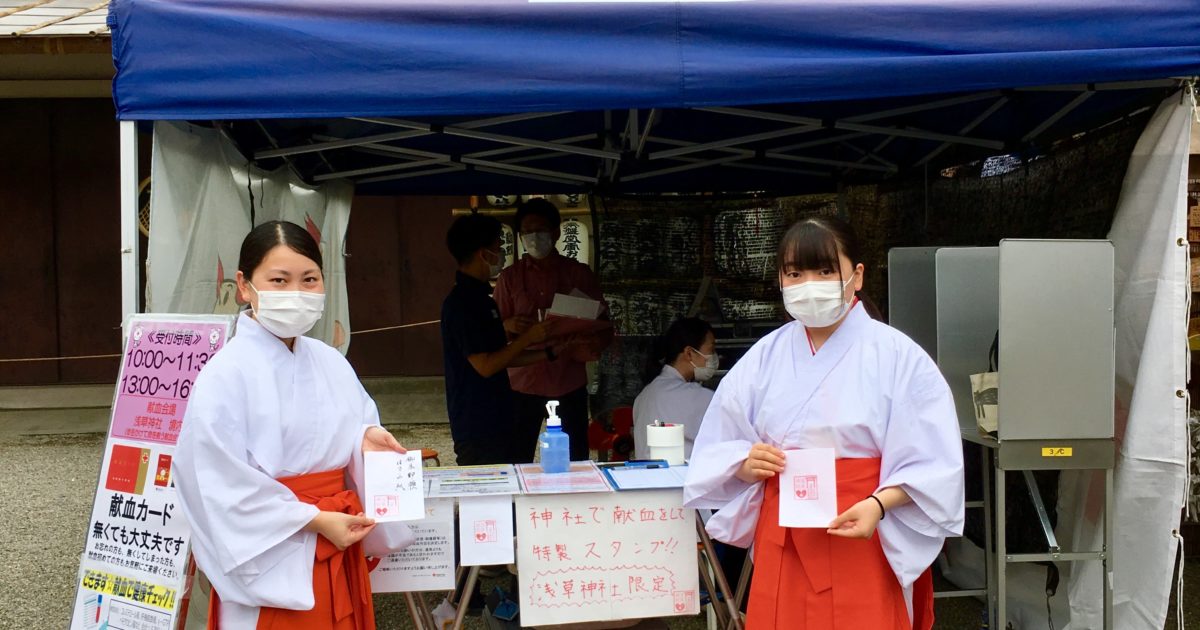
x: 480, y: 409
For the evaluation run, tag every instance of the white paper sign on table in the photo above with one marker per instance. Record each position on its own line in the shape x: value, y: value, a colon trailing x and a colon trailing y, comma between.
x: 394, y: 486
x: 602, y: 556
x: 808, y: 488
x: 485, y: 530
x: 428, y: 563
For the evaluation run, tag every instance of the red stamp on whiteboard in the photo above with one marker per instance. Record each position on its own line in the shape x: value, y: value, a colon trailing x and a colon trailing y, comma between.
x: 684, y: 600
x: 806, y: 487
x: 386, y: 504
x: 485, y: 531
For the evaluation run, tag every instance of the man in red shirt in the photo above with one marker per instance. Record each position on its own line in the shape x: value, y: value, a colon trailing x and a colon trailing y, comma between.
x: 522, y: 291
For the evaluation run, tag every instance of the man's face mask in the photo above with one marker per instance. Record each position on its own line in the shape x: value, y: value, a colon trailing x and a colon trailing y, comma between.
x: 709, y: 369
x: 494, y: 266
x: 538, y: 244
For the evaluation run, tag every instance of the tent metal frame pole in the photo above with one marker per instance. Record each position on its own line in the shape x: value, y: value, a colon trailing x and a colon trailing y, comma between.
x: 317, y: 147
x: 987, y: 113
x: 398, y: 166
x: 924, y: 107
x: 847, y: 125
x: 684, y: 167
x: 743, y: 153
x: 919, y: 134
x: 764, y: 168
x: 871, y: 154
x: 771, y: 116
x: 1057, y: 116
x: 501, y: 169
x: 390, y: 150
x: 650, y: 120
x: 527, y: 170
x: 389, y: 137
x: 466, y: 132
x: 823, y: 141
x: 507, y: 150
x: 824, y: 162
x: 1102, y: 87
x: 130, y: 236
x: 731, y: 142
x: 437, y: 171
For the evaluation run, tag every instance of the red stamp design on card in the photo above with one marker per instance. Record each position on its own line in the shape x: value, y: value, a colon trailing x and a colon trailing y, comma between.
x: 806, y: 487
x: 684, y: 600
x: 386, y: 504
x: 485, y: 531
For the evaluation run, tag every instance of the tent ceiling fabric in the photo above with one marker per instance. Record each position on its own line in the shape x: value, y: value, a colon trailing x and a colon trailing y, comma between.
x: 518, y: 96
x: 794, y: 148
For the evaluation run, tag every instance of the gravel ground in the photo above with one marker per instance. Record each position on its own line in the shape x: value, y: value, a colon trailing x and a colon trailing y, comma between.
x: 46, y: 487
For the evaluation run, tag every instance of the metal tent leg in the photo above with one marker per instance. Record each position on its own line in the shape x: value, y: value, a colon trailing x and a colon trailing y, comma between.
x: 1106, y: 562
x: 1001, y: 618
x: 129, y: 220
x: 989, y: 559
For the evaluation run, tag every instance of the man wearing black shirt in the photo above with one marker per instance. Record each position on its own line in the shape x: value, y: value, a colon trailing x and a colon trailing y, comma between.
x: 476, y: 350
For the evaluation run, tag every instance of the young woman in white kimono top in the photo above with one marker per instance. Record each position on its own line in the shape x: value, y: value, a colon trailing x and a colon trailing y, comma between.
x: 834, y: 378
x: 275, y: 424
x: 684, y: 357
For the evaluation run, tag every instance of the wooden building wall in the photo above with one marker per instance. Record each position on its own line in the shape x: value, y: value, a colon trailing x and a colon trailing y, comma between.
x: 60, y: 268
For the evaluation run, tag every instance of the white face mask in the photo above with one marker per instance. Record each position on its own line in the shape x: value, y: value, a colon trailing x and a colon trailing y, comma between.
x: 709, y: 369
x: 494, y: 268
x: 817, y: 304
x: 538, y: 244
x: 288, y: 314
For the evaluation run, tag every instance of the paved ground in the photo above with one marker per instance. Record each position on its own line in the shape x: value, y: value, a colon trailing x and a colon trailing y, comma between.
x: 46, y: 486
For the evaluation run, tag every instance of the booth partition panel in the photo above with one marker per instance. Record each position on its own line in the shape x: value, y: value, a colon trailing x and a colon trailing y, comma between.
x: 912, y: 295
x: 1056, y: 340
x: 968, y: 281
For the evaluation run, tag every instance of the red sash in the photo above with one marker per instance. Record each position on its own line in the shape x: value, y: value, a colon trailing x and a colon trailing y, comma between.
x: 806, y: 579
x: 341, y: 588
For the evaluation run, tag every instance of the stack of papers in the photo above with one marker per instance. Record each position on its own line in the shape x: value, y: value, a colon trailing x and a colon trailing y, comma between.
x: 578, y: 306
x: 580, y: 477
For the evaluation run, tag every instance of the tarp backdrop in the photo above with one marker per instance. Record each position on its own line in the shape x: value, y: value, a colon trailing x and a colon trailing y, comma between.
x: 1149, y: 236
x: 205, y: 198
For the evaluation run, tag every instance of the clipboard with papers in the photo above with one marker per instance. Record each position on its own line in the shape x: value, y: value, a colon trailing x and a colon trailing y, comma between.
x: 645, y: 478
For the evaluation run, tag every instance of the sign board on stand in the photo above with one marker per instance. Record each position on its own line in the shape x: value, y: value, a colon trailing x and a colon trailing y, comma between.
x: 606, y: 555
x: 133, y: 571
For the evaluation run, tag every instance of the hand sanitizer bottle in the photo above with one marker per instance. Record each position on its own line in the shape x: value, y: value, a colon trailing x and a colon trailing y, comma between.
x: 555, y: 445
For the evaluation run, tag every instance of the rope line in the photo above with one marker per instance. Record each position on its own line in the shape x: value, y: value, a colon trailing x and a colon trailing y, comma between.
x: 118, y: 355
x: 75, y: 358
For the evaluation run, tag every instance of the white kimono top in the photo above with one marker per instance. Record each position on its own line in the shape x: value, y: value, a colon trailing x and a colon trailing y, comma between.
x: 671, y: 399
x: 868, y: 392
x: 259, y: 412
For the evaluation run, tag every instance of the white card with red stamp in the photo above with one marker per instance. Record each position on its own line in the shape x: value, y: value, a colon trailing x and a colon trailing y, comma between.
x: 808, y: 488
x: 395, y: 489
x: 485, y: 530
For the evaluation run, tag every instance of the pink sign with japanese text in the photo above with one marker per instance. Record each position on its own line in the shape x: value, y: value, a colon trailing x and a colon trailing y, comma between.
x: 161, y: 361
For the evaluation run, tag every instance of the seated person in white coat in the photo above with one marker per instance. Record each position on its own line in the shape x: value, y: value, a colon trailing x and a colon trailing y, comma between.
x: 273, y: 435
x: 682, y: 358
x: 834, y: 378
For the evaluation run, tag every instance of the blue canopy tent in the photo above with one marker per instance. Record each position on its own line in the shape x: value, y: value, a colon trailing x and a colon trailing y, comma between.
x: 516, y: 96
x: 424, y: 96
